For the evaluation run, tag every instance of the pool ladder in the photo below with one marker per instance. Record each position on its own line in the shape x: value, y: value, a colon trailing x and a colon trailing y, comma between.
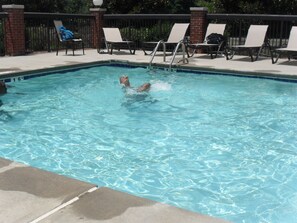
x: 180, y: 44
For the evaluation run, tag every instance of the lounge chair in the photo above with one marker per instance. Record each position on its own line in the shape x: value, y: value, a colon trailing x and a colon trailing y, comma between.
x: 210, y: 47
x: 291, y: 48
x: 69, y: 43
x: 255, y: 41
x: 177, y: 34
x: 113, y: 39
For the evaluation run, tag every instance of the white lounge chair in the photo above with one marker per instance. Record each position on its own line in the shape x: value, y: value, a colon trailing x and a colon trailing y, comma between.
x: 255, y: 41
x: 210, y: 47
x: 69, y: 43
x: 177, y: 34
x: 113, y: 39
x: 291, y: 47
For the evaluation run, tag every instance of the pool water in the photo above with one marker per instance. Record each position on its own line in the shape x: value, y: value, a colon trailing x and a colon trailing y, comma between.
x: 219, y: 145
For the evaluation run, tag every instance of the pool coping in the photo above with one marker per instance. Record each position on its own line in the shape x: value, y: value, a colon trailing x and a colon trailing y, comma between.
x: 33, y: 195
x: 20, y: 75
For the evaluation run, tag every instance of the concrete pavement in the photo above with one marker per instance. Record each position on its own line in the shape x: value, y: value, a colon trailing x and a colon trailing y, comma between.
x: 32, y: 195
x: 239, y: 64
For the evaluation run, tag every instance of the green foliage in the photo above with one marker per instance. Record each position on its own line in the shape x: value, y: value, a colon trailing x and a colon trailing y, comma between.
x: 78, y: 6
x: 144, y: 34
x: 62, y: 6
x: 251, y: 7
x: 160, y: 6
x: 214, y: 6
x: 39, y: 5
x: 148, y: 6
x: 281, y: 6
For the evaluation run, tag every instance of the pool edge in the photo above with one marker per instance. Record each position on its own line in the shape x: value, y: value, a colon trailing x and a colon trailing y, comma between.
x: 56, y: 198
x: 19, y: 75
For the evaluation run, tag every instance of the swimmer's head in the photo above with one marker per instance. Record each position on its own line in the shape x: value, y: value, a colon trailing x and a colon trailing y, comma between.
x: 125, y: 81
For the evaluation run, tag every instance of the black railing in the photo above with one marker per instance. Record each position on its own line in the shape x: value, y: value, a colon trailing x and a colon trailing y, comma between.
x: 3, y: 16
x: 40, y: 31
x: 145, y: 27
x: 238, y: 24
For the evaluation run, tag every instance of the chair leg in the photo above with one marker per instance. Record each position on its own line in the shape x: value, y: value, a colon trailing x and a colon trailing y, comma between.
x: 83, y: 47
x: 106, y: 46
x: 129, y: 48
x: 232, y: 54
x: 226, y: 53
x: 132, y: 51
x: 217, y: 52
x: 57, y: 49
x: 259, y: 51
x: 220, y: 49
x: 66, y: 46
x: 276, y: 59
x: 145, y: 53
x: 251, y: 54
x: 210, y: 51
x: 193, y: 52
x: 188, y: 53
x: 214, y: 54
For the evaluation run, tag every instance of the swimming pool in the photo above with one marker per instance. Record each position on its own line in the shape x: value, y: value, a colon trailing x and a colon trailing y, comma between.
x: 219, y: 145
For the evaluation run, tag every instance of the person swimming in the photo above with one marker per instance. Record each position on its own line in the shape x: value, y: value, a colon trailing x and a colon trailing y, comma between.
x: 124, y: 80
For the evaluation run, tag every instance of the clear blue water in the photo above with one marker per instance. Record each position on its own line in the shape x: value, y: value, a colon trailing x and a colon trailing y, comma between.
x: 219, y: 145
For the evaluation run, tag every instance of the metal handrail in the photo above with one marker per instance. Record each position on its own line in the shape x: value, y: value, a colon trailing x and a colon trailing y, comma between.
x: 185, y: 60
x: 155, y: 51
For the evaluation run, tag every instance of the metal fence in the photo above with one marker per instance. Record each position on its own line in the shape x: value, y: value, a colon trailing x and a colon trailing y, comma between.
x: 238, y: 24
x: 153, y: 27
x: 145, y: 27
x: 3, y: 16
x: 41, y: 34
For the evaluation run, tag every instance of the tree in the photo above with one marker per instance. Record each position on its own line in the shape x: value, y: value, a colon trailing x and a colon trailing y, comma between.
x: 281, y: 6
x: 39, y: 6
x: 78, y: 6
x: 148, y: 6
x: 160, y: 6
x: 250, y: 6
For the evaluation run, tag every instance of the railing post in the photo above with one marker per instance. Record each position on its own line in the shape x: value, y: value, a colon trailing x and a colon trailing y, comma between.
x: 96, y: 26
x: 14, y: 30
x: 198, y: 24
x: 240, y: 32
x: 48, y: 35
x: 281, y: 34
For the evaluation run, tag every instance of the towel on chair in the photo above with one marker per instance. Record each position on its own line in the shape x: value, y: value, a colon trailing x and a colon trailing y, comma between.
x: 65, y: 33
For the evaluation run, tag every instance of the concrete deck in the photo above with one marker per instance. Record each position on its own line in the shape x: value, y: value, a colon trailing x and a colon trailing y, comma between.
x: 32, y: 195
x: 239, y: 64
